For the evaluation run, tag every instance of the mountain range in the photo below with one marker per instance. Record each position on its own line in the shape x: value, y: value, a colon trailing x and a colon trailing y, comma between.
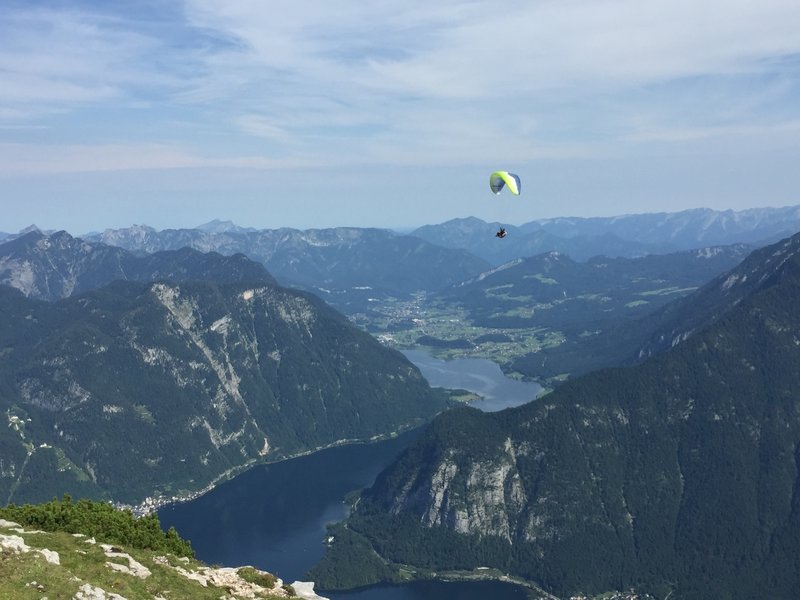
x: 56, y: 266
x: 320, y: 259
x: 163, y: 385
x: 137, y: 362
x: 677, y: 476
x: 345, y: 264
x: 624, y: 235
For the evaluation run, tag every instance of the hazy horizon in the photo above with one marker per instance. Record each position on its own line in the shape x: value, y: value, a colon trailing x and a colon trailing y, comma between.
x: 398, y: 229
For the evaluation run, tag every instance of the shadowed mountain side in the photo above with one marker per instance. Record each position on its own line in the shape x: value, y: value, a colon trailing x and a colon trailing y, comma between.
x: 552, y: 290
x: 761, y: 269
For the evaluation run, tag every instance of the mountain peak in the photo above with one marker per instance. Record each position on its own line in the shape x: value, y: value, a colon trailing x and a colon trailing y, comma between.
x: 219, y: 226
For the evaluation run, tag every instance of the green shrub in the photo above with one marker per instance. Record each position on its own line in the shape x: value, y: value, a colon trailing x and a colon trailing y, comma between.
x: 101, y: 521
x: 251, y: 575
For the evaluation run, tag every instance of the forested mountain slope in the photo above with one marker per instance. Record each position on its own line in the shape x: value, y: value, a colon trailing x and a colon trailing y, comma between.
x: 141, y: 388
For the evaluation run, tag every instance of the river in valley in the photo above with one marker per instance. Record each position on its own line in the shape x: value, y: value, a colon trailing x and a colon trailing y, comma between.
x: 273, y: 516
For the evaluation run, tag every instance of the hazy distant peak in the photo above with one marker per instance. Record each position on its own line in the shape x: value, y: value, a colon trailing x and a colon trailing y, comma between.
x: 470, y: 220
x: 219, y: 226
x: 29, y: 228
x: 133, y: 229
x: 215, y: 225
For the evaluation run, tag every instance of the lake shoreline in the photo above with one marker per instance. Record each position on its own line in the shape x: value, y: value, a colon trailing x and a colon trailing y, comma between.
x: 452, y: 576
x: 153, y: 504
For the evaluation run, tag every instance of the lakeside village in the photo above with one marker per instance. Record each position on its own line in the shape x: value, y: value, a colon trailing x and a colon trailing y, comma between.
x: 629, y: 595
x: 152, y: 504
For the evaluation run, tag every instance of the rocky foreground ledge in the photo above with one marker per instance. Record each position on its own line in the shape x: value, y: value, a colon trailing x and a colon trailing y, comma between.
x: 37, y: 564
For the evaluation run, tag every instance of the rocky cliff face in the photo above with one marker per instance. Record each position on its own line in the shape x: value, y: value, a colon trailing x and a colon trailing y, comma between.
x: 54, y: 266
x: 141, y: 388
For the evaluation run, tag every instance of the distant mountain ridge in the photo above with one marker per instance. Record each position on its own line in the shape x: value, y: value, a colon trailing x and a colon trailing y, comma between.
x: 218, y: 226
x: 319, y: 259
x: 478, y: 237
x: 677, y: 477
x: 56, y: 266
x: 684, y: 228
x: 624, y: 236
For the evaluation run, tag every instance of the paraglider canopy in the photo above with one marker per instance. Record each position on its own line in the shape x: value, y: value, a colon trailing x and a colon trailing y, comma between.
x: 500, y: 179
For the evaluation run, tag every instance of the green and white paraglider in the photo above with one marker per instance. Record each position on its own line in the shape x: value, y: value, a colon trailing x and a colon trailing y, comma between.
x: 497, y: 181
x: 500, y: 179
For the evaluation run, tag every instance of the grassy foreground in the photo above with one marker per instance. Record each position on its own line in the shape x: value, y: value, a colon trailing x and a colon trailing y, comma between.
x: 65, y: 565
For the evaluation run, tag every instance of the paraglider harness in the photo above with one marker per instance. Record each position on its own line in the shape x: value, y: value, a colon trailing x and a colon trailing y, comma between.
x: 501, y: 233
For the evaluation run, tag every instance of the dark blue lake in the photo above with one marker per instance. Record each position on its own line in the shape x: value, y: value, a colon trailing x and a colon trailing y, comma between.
x: 273, y: 517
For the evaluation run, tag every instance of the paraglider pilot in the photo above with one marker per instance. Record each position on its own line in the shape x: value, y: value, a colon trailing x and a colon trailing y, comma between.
x: 497, y: 181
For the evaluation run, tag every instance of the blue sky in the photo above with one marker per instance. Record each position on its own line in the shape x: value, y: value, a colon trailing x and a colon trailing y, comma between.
x: 393, y: 113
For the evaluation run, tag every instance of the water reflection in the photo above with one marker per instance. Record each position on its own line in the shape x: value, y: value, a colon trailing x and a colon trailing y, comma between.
x: 478, y: 375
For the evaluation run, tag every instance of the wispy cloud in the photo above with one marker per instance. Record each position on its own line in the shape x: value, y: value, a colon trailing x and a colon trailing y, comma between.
x: 54, y: 60
x: 248, y: 84
x: 30, y: 159
x: 475, y: 50
x: 405, y: 71
x: 681, y: 134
